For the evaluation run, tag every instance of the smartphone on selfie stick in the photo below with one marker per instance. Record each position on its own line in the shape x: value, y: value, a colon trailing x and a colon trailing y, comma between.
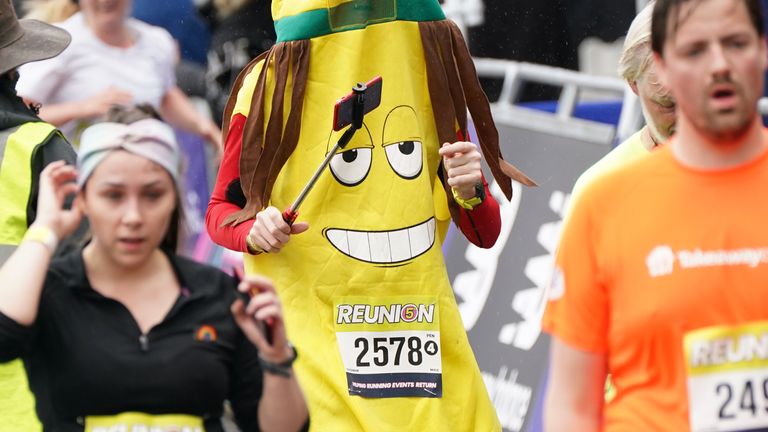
x: 348, y: 111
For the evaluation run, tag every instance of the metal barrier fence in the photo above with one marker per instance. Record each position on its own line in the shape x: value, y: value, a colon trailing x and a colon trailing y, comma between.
x: 573, y: 85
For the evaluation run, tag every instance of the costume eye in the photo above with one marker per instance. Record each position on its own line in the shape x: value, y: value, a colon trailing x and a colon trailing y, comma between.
x: 405, y: 158
x: 350, y: 167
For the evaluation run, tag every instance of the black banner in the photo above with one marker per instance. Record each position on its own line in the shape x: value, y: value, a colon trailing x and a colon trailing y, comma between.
x: 395, y: 385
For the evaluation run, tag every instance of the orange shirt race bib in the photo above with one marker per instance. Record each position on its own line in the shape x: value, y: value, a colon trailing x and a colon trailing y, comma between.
x: 727, y: 371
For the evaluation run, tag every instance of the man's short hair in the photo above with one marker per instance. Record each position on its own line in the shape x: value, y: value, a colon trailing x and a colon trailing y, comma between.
x: 670, y: 9
x: 636, y: 54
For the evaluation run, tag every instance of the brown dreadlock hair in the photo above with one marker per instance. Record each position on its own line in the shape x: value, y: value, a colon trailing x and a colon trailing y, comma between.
x: 453, y: 86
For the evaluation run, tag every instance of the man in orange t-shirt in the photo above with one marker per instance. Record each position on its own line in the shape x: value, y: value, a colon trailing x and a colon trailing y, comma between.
x: 662, y: 270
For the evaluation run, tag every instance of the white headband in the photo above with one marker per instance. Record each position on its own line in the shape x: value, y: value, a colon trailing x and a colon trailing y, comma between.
x: 148, y: 138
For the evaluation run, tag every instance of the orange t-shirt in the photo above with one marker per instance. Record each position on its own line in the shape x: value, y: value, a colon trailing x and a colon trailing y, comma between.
x: 650, y: 253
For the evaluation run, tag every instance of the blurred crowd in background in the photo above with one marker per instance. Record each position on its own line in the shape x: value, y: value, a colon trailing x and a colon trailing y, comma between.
x: 216, y: 38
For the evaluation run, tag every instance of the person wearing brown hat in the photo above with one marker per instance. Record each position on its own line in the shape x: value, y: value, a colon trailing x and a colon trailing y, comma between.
x: 27, y: 144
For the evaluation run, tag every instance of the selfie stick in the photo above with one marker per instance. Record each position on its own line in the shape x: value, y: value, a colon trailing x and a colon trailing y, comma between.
x: 358, y: 112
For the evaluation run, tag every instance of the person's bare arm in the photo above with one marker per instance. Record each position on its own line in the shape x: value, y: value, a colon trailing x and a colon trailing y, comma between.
x: 178, y: 110
x: 575, y: 390
x: 93, y: 107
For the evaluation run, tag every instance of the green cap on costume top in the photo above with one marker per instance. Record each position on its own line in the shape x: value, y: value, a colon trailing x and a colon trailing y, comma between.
x: 306, y: 19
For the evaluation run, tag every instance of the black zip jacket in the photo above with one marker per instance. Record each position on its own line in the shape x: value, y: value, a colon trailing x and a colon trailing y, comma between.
x: 85, y: 354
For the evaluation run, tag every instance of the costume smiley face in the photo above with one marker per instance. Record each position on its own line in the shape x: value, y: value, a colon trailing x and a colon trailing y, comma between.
x: 366, y: 295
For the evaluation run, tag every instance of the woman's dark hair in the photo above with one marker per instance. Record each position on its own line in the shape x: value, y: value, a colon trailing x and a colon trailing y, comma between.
x: 174, y: 237
x: 666, y: 10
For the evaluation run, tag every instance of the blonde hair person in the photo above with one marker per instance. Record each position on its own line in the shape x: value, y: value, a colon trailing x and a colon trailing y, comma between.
x: 123, y: 333
x: 636, y: 52
x: 658, y: 105
x: 636, y: 66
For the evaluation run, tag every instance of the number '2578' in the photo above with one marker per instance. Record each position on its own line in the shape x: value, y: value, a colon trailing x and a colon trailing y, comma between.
x: 395, y: 349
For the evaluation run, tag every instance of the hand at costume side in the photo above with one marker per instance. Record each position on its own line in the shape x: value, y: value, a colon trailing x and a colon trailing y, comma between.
x: 462, y: 163
x: 262, y: 311
x: 270, y: 232
x: 91, y: 108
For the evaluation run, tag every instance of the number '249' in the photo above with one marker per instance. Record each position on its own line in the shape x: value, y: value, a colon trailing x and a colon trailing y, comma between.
x: 743, y: 401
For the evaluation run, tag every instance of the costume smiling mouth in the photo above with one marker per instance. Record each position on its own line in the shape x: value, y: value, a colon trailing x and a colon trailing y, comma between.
x: 384, y: 247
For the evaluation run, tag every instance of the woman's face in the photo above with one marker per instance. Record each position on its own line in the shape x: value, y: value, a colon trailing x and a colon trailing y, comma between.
x: 105, y: 14
x: 129, y: 201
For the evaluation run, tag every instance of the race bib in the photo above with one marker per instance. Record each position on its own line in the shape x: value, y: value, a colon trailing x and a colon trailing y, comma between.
x: 140, y: 422
x: 727, y: 371
x: 390, y: 347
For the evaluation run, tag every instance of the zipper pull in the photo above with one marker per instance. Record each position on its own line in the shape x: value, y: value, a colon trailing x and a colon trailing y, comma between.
x: 144, y: 342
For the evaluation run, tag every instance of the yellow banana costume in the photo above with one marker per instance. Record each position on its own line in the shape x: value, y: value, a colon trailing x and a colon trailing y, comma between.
x: 366, y: 295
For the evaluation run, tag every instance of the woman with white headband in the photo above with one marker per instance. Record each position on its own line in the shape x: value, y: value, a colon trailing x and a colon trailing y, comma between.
x: 123, y: 334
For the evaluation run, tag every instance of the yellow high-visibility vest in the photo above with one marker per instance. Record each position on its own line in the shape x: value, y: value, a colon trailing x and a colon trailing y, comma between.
x: 17, y: 146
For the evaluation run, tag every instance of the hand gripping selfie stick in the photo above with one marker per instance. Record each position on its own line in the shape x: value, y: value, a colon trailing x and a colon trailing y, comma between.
x: 349, y: 110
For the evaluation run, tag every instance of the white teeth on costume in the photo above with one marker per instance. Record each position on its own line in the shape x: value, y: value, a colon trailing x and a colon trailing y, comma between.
x: 358, y: 245
x: 338, y: 239
x: 384, y: 247
x: 399, y: 245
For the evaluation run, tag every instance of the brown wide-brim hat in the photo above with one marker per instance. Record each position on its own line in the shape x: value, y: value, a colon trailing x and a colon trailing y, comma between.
x: 27, y: 40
